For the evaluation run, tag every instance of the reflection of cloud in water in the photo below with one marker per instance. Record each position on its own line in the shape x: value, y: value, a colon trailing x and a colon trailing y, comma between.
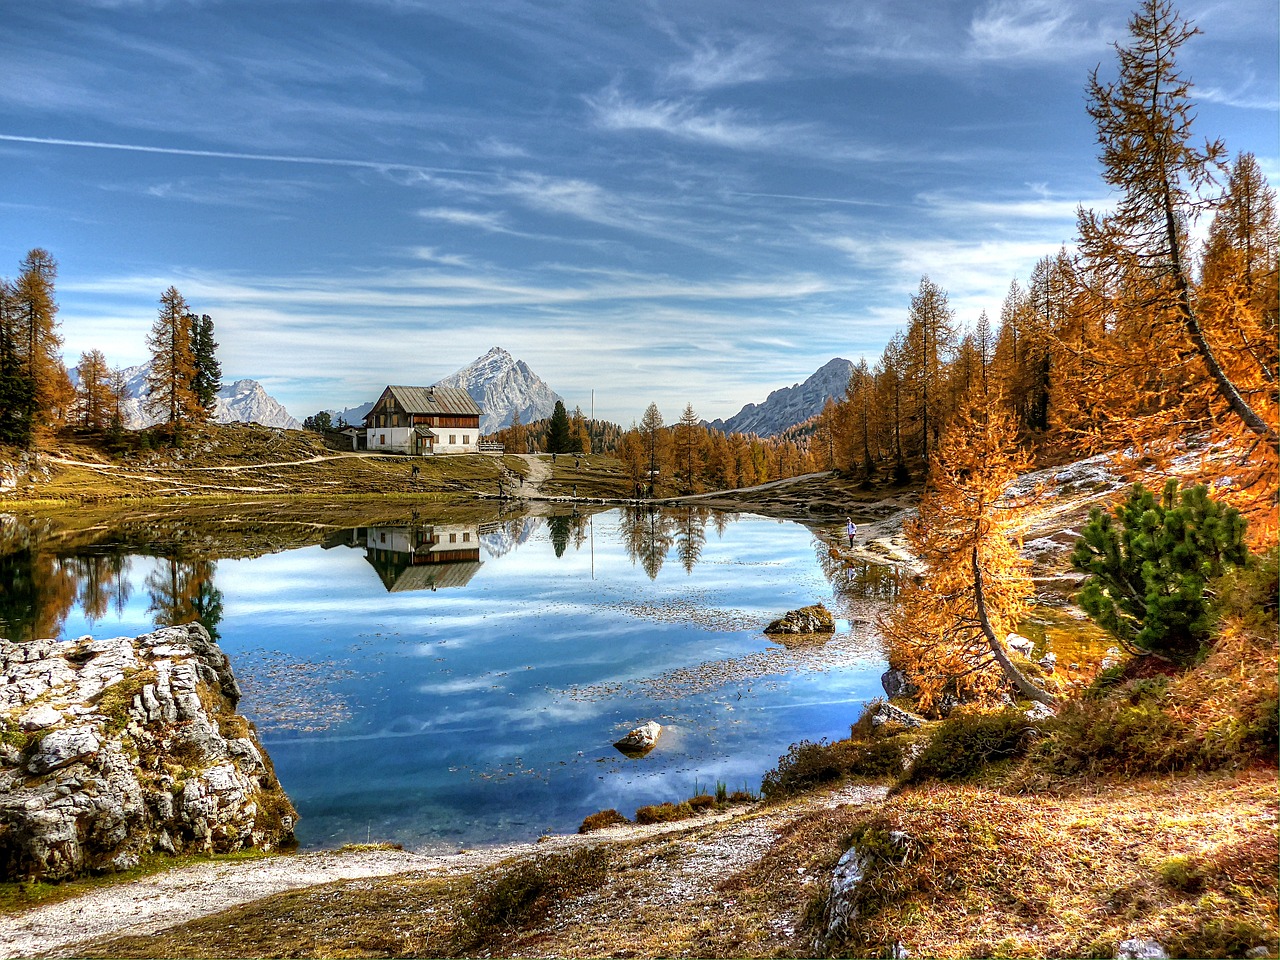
x: 840, y: 651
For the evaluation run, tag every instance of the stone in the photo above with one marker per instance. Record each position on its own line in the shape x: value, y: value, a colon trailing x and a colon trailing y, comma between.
x: 39, y: 718
x: 883, y: 713
x: 1140, y: 950
x: 62, y: 747
x: 896, y: 684
x: 811, y: 619
x: 640, y: 740
x: 1039, y: 711
x: 1048, y: 662
x: 1258, y: 952
x: 846, y: 879
x: 1019, y: 644
x: 139, y: 766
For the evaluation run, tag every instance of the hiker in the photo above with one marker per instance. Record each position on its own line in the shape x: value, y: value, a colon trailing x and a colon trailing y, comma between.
x: 414, y: 472
x: 852, y: 529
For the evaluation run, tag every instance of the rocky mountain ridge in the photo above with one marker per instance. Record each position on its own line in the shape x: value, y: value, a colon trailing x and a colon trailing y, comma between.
x: 788, y: 406
x: 504, y: 386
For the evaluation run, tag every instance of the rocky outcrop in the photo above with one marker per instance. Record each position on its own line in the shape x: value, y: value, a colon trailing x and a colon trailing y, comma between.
x: 876, y: 850
x: 113, y: 749
x: 806, y: 620
x: 641, y: 740
x: 896, y: 684
x: 882, y: 713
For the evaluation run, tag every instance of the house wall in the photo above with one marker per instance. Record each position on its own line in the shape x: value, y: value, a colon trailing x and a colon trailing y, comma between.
x: 400, y: 440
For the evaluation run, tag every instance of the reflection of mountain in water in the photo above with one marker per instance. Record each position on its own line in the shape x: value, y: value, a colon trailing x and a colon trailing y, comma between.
x: 425, y: 557
x: 502, y: 536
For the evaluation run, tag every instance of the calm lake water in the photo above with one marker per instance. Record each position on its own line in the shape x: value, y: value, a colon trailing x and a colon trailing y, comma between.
x: 453, y: 684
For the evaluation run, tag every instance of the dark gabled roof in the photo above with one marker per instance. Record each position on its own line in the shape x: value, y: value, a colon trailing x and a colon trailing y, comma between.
x: 434, y: 400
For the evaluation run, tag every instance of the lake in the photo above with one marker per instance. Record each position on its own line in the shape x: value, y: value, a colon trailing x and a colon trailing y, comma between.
x: 444, y: 683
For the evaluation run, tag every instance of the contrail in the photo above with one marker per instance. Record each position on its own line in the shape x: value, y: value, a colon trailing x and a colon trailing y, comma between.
x: 232, y: 155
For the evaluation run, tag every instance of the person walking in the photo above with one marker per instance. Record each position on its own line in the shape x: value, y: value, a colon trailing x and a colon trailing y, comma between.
x: 852, y: 529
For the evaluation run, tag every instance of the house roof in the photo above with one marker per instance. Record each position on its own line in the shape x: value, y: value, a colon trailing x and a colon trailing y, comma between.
x: 434, y: 400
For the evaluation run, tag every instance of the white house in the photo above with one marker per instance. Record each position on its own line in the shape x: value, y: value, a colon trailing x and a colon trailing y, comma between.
x: 423, y: 421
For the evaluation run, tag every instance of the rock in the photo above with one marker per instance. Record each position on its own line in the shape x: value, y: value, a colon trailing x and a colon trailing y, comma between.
x: 124, y: 755
x: 887, y: 713
x: 40, y: 717
x: 1258, y: 952
x: 62, y: 747
x: 896, y: 684
x: 1048, y: 662
x: 1019, y: 644
x: 640, y: 740
x: 1140, y: 950
x: 846, y: 879
x: 1039, y: 711
x: 812, y: 619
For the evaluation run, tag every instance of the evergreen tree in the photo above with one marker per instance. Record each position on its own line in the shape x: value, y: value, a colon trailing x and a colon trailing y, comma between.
x: 208, y: 376
x: 17, y: 391
x: 559, y: 439
x: 1150, y: 567
x: 37, y: 340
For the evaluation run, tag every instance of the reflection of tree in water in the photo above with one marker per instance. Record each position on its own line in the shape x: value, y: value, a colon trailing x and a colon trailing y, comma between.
x: 104, y: 583
x: 647, y: 535
x: 37, y: 591
x: 691, y: 536
x: 858, y: 579
x: 182, y: 591
x: 560, y: 528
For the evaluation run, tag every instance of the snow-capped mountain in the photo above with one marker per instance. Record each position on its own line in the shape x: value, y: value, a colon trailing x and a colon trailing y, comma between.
x: 788, y: 406
x: 244, y: 401
x: 503, y: 385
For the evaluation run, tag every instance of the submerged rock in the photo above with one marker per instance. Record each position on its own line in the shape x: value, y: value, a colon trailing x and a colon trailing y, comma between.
x: 812, y: 619
x: 640, y: 740
x: 134, y: 746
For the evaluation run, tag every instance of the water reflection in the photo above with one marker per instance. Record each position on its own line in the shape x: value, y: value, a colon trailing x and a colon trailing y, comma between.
x: 422, y: 556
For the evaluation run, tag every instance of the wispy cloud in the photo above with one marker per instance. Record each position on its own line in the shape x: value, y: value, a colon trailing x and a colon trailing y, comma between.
x: 687, y: 120
x: 711, y: 66
x: 1033, y: 31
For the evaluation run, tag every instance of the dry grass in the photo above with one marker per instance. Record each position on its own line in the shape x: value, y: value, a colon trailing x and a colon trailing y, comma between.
x: 1187, y: 861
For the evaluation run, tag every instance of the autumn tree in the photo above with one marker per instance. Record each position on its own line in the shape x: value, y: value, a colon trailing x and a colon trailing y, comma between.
x: 33, y: 318
x: 652, y: 435
x: 929, y: 346
x: 94, y: 401
x: 17, y: 391
x: 579, y: 435
x: 173, y: 367
x: 1178, y: 363
x: 946, y: 630
x: 686, y: 444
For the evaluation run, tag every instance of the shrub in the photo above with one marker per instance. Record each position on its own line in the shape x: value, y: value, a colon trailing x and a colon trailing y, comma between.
x: 664, y: 813
x: 527, y: 891
x: 964, y: 744
x: 1149, y: 569
x: 807, y: 764
x: 602, y: 819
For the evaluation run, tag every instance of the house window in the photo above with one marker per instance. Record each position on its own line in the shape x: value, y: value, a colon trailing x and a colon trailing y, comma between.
x: 382, y: 538
x: 453, y: 538
x: 466, y: 538
x: 382, y: 438
x: 465, y: 440
x: 453, y: 439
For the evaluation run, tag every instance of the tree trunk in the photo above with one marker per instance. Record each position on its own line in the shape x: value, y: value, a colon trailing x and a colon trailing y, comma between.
x: 1016, y: 676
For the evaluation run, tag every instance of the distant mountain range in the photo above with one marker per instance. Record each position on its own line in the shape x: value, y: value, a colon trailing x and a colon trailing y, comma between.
x: 243, y: 401
x: 788, y: 406
x: 498, y: 382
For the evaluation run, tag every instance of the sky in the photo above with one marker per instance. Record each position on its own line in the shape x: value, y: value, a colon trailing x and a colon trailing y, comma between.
x: 654, y: 201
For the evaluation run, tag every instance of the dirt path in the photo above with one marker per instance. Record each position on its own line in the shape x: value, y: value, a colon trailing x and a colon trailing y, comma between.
x: 539, y: 472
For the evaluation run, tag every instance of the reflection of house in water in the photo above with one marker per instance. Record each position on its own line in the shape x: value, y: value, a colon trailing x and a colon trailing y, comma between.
x: 425, y: 557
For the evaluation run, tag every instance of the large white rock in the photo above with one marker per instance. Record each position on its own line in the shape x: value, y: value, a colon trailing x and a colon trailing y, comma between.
x: 642, y: 739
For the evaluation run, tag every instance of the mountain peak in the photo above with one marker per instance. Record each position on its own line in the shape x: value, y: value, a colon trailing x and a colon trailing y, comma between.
x: 503, y: 386
x: 787, y: 406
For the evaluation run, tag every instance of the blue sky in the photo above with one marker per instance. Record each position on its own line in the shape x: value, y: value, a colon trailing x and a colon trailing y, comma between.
x: 658, y: 200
